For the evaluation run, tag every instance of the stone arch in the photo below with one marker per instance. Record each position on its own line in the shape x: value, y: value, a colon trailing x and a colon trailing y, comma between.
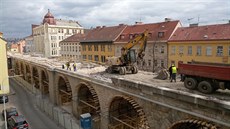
x: 36, y: 77
x: 88, y: 100
x: 126, y: 113
x: 28, y: 73
x: 17, y: 69
x: 64, y: 90
x: 192, y: 124
x: 45, y: 82
x: 22, y: 72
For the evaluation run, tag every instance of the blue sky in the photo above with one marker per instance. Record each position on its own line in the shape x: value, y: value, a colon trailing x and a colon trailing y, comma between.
x: 16, y: 16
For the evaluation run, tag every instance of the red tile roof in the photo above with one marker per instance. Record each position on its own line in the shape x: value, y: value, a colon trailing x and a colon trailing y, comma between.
x: 200, y: 33
x: 104, y: 34
x: 74, y: 38
x: 153, y: 29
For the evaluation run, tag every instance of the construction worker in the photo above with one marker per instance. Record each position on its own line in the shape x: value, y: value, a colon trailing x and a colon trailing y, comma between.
x: 174, y: 72
x: 170, y: 72
x: 74, y: 66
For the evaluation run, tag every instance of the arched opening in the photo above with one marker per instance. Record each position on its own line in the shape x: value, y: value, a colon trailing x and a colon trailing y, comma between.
x: 88, y: 102
x: 22, y: 71
x: 17, y: 71
x: 45, y: 82
x: 64, y: 91
x: 36, y: 78
x: 192, y: 124
x: 28, y: 73
x: 125, y: 113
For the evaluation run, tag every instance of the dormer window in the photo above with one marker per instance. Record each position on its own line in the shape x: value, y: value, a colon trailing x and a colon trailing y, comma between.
x: 130, y: 36
x: 160, y: 34
x: 122, y: 36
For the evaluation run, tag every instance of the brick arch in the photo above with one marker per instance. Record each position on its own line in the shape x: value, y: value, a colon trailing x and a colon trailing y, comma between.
x: 192, y: 124
x: 22, y: 71
x: 17, y: 68
x: 28, y: 73
x: 64, y: 90
x: 35, y: 77
x: 88, y: 102
x: 45, y: 82
x: 125, y: 112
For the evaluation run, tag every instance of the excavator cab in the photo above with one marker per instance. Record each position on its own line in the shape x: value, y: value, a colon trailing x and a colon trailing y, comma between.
x: 131, y: 56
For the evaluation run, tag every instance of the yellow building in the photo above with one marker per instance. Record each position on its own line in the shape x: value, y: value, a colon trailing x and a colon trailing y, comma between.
x: 209, y: 43
x: 99, y: 43
x: 3, y: 66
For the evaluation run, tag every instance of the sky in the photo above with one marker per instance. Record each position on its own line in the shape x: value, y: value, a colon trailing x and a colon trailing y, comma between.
x: 16, y: 16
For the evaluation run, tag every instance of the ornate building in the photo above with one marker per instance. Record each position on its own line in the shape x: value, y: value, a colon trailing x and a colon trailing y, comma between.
x: 48, y: 35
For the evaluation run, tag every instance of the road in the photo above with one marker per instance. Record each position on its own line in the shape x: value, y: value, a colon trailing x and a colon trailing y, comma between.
x: 26, y: 105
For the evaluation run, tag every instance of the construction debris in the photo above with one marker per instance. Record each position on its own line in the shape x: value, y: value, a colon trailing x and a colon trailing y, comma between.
x: 163, y: 74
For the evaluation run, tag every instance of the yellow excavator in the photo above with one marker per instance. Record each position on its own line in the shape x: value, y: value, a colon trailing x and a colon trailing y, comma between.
x: 126, y: 62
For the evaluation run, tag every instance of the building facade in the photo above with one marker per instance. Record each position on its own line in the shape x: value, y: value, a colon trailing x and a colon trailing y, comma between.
x: 4, y: 81
x: 29, y: 46
x: 71, y: 48
x: 48, y: 35
x: 156, y: 50
x: 99, y: 43
x: 210, y: 43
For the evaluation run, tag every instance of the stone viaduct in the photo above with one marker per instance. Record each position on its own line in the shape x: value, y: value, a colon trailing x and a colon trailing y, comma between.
x: 123, y: 104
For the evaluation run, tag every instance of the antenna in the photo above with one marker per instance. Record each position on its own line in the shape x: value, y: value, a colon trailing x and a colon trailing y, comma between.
x: 189, y: 19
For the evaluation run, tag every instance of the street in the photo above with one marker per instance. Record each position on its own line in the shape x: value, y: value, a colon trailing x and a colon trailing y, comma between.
x: 26, y: 105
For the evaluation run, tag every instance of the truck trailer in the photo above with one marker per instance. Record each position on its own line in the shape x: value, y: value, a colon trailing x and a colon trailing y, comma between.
x: 205, y: 77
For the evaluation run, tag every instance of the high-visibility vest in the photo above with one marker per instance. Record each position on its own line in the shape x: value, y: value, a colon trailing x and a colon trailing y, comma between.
x: 174, y: 70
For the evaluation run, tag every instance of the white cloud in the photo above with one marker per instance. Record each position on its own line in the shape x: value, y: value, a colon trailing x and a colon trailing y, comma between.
x: 16, y: 17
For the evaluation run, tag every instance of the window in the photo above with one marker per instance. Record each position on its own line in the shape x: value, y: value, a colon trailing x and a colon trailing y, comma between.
x: 198, y: 51
x: 189, y: 50
x: 219, y: 51
x: 95, y: 47
x: 76, y: 48
x: 90, y: 57
x: 181, y: 50
x: 155, y: 49
x: 162, y: 49
x: 84, y: 57
x: 229, y: 50
x: 79, y: 48
x: 162, y: 63
x: 160, y: 34
x: 208, y: 51
x: 102, y: 58
x: 89, y: 47
x: 173, y: 50
x: 96, y: 58
x: 109, y: 48
x: 149, y: 62
x: 103, y: 48
x: 130, y: 36
x: 83, y: 47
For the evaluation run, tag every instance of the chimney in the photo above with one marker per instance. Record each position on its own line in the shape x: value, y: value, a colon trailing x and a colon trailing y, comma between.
x: 168, y: 19
x: 103, y: 26
x: 121, y: 24
x: 98, y: 27
x: 193, y: 25
x: 138, y: 23
x: 1, y: 34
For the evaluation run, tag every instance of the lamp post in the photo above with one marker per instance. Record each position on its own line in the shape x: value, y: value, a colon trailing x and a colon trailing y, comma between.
x: 4, y: 97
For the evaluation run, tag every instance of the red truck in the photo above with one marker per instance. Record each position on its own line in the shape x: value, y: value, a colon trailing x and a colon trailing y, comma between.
x: 206, y: 77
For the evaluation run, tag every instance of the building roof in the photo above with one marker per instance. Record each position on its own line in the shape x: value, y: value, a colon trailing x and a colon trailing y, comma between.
x: 200, y: 33
x: 74, y: 38
x: 104, y: 34
x: 153, y: 28
x: 14, y: 46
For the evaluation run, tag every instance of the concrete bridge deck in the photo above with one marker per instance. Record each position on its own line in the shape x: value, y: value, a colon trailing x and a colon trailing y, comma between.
x: 157, y: 104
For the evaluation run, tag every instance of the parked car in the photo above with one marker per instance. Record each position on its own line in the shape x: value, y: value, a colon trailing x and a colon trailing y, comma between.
x: 17, y: 122
x: 2, y: 100
x: 11, y: 111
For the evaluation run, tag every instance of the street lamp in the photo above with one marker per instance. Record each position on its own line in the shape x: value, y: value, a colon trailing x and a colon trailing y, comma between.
x: 4, y: 97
